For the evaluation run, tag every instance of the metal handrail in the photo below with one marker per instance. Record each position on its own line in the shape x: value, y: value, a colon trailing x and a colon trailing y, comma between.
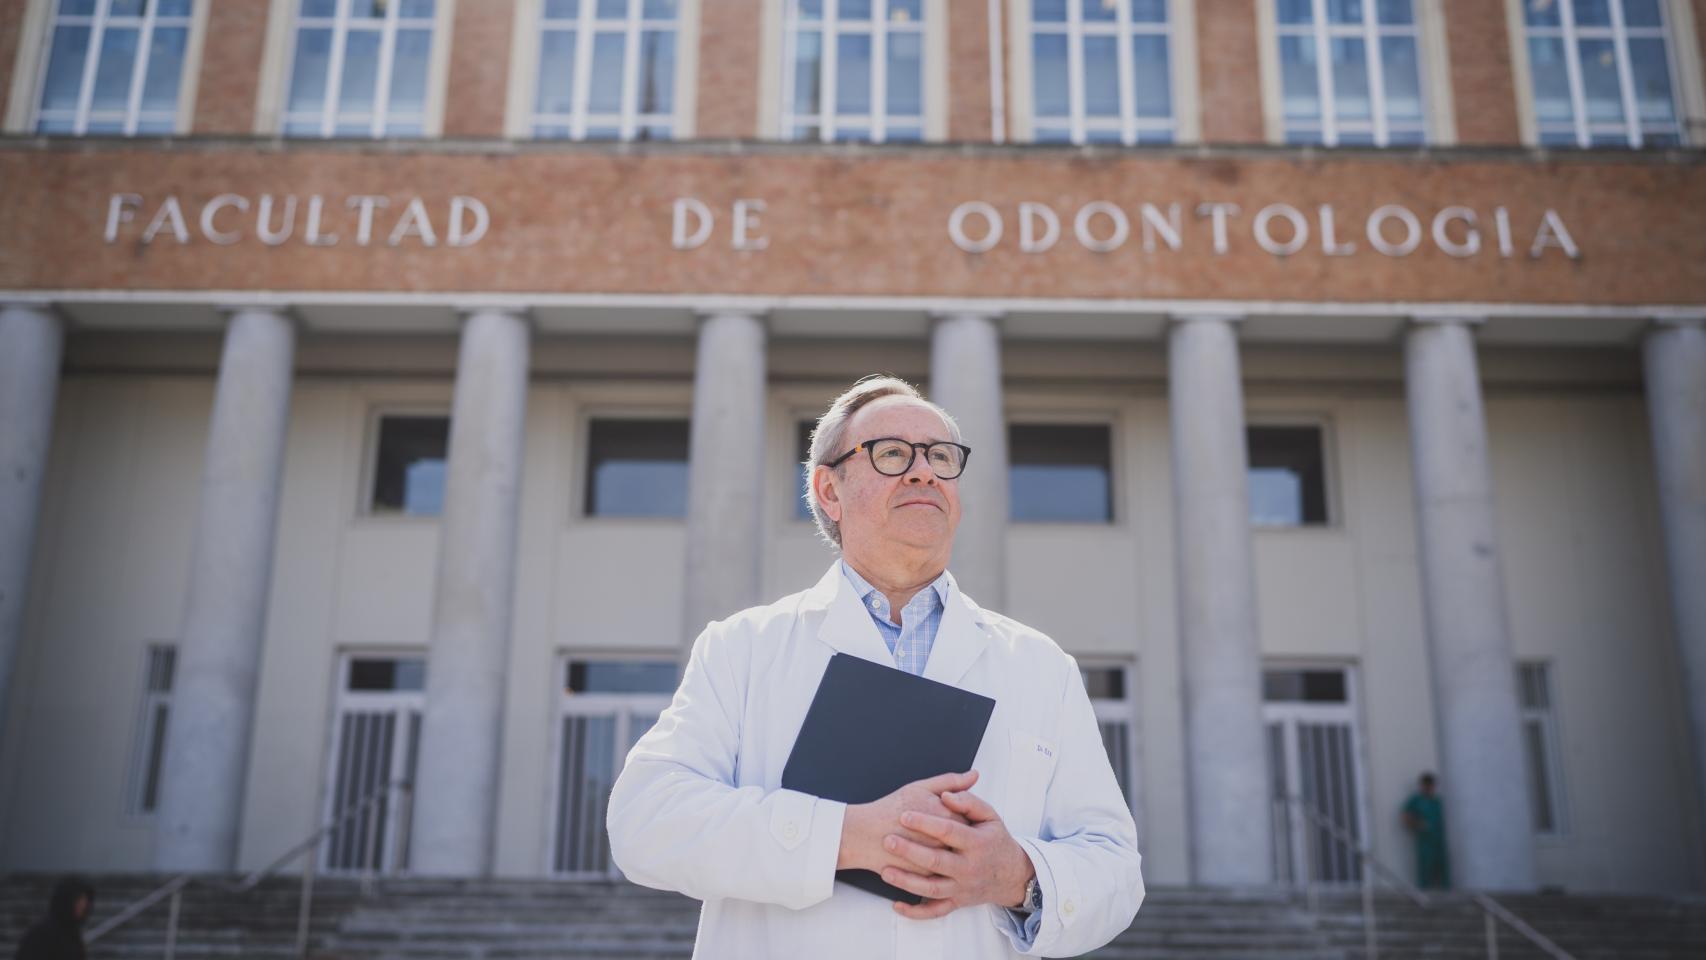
x: 1493, y: 913
x: 174, y: 887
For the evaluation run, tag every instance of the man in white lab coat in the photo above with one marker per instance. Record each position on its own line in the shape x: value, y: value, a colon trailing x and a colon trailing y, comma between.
x: 1033, y: 851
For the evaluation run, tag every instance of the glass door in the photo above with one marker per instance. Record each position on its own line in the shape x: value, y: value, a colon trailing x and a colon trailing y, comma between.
x: 1315, y: 772
x: 375, y: 742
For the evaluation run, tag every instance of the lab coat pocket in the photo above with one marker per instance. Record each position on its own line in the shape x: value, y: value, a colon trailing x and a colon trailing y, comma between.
x: 1030, y: 766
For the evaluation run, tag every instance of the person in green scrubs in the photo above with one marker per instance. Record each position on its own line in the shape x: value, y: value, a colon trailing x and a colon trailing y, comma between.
x: 1424, y: 816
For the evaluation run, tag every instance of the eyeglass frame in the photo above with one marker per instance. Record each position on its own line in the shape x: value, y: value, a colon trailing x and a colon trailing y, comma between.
x: 869, y: 446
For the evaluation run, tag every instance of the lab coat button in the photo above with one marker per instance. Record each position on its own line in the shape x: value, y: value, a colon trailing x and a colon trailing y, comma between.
x: 1067, y: 908
x: 791, y: 831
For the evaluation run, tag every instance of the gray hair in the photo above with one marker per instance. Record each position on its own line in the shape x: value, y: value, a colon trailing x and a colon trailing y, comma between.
x: 829, y: 438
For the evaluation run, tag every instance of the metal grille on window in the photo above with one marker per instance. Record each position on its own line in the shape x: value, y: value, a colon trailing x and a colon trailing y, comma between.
x: 114, y: 67
x: 853, y: 70
x: 1351, y: 72
x: 1101, y: 71
x: 378, y: 734
x: 1602, y: 73
x: 359, y: 68
x: 606, y: 70
x: 1314, y: 771
x: 1116, y: 716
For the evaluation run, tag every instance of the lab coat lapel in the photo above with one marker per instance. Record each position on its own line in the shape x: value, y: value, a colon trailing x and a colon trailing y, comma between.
x: 959, y: 639
x: 847, y: 625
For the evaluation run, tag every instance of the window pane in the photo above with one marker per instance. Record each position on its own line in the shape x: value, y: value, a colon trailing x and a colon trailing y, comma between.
x: 319, y: 8
x: 1541, y: 13
x: 1651, y: 69
x: 905, y: 97
x: 1642, y: 13
x: 1297, y: 72
x: 125, y: 8
x: 409, y: 71
x: 65, y: 68
x: 620, y: 676
x: 811, y: 9
x: 1151, y: 79
x: 1105, y: 11
x: 1148, y: 11
x: 808, y: 69
x: 1599, y: 81
x: 1402, y: 73
x: 657, y: 72
x: 1104, y: 683
x: 1592, y: 13
x: 854, y: 10
x: 76, y: 8
x: 1048, y: 11
x: 1304, y: 686
x: 1059, y: 472
x: 1101, y: 77
x: 660, y: 9
x: 113, y: 73
x: 361, y: 72
x: 415, y: 8
x: 556, y: 71
x: 165, y: 69
x: 1551, y: 79
x: 1287, y: 476
x: 637, y: 468
x: 906, y: 11
x: 1296, y: 11
x: 1539, y: 784
x: 308, y: 75
x: 611, y: 9
x: 853, y: 73
x: 1350, y: 78
x: 1396, y: 12
x: 604, y: 90
x: 1049, y: 83
x: 562, y: 8
x: 387, y: 674
x: 904, y: 134
x: 408, y: 468
x: 1344, y: 11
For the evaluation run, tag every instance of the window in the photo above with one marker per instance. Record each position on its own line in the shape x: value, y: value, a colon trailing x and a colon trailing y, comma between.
x: 375, y: 748
x: 114, y: 66
x: 854, y: 70
x: 1304, y: 686
x: 1540, y: 746
x: 1288, y: 476
x: 1100, y: 71
x: 1350, y: 72
x: 360, y: 69
x: 1060, y: 472
x: 409, y: 465
x: 798, y: 476
x: 636, y: 468
x: 1601, y: 73
x: 1115, y: 715
x: 150, y: 749
x: 606, y: 70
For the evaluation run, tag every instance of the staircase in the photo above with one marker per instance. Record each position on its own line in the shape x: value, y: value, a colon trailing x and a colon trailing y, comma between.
x: 424, y: 919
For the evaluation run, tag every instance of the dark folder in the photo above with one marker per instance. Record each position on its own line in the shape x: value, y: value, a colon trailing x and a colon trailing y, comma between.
x: 872, y: 729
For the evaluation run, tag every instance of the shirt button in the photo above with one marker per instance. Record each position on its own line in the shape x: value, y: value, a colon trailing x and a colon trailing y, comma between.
x: 875, y: 603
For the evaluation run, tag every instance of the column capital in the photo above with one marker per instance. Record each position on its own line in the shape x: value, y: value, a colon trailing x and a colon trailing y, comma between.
x: 759, y: 314
x: 1179, y: 318
x: 1673, y: 321
x: 995, y: 318
x: 466, y: 309
x: 1445, y: 317
x: 228, y: 311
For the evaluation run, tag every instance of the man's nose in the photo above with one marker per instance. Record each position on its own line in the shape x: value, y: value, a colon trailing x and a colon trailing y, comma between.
x: 920, y: 471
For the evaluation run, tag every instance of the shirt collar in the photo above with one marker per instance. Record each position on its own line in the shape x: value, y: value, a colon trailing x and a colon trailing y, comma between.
x: 864, y: 589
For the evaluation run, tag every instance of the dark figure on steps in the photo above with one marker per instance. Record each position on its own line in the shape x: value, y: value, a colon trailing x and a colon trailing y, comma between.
x: 60, y: 936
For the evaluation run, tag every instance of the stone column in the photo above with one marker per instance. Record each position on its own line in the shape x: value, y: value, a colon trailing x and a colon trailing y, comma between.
x: 1226, y: 763
x: 31, y: 340
x: 1675, y: 354
x: 456, y: 784
x: 219, y: 651
x: 965, y: 378
x: 725, y: 545
x: 1482, y: 769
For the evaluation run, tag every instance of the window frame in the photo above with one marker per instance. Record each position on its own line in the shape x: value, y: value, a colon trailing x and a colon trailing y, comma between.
x: 1547, y: 719
x: 142, y: 758
x: 1678, y: 62
x: 288, y: 19
x: 830, y: 28
x: 1125, y: 709
x: 586, y: 23
x: 580, y: 487
x: 23, y: 109
x: 1432, y: 88
x: 1329, y: 468
x: 1039, y: 418
x: 376, y: 413
x: 1123, y: 30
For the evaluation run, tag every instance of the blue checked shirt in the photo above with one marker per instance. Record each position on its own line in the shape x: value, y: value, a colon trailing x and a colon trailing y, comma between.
x: 910, y: 642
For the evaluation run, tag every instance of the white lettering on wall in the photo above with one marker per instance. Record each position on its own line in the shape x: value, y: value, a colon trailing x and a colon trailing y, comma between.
x: 230, y: 218
x: 957, y: 226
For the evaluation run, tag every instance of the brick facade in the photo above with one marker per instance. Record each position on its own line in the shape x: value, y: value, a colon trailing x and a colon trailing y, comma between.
x: 1231, y: 79
x: 1482, y: 87
x: 479, y: 68
x: 230, y: 67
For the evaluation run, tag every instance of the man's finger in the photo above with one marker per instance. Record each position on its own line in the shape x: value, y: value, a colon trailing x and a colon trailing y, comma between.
x: 930, y: 888
x: 952, y: 834
x: 928, y: 910
x: 932, y: 860
x: 969, y: 805
x: 949, y: 781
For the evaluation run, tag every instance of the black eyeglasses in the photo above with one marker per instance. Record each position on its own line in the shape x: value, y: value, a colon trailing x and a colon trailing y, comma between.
x: 892, y: 456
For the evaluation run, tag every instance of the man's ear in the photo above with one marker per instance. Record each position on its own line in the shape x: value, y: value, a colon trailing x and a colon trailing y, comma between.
x: 828, y: 498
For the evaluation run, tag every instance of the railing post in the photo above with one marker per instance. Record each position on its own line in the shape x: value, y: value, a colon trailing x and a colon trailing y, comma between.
x: 1492, y: 936
x: 172, y: 923
x: 305, y: 908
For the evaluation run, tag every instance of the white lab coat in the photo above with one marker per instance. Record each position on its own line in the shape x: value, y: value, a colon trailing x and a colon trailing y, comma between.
x: 699, y: 809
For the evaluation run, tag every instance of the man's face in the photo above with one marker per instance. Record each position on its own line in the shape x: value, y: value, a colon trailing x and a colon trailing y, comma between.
x: 915, y: 509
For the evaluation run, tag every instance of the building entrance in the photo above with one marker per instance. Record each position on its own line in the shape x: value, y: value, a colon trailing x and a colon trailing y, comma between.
x: 375, y: 744
x: 1313, y: 765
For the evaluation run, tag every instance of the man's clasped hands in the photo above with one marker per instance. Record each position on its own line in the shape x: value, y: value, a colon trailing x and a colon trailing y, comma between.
x: 934, y: 838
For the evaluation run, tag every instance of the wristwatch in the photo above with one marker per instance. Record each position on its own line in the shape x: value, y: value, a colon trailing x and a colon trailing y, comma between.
x: 1033, y: 897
